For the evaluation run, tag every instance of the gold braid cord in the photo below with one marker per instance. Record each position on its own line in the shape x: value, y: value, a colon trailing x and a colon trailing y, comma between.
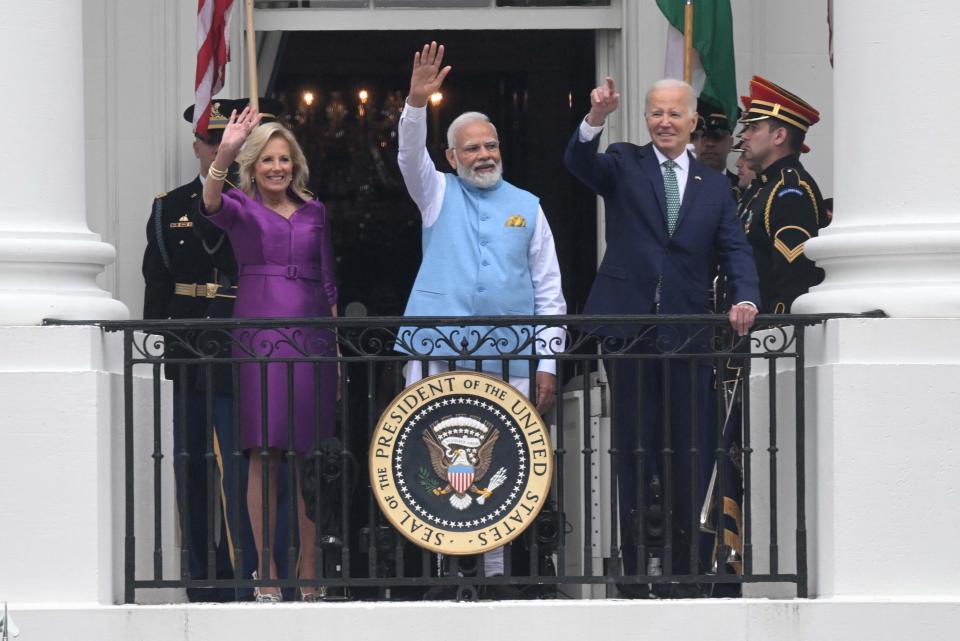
x: 789, y: 254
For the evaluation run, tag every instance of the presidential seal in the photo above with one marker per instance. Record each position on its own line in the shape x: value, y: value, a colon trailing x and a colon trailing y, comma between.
x: 461, y: 463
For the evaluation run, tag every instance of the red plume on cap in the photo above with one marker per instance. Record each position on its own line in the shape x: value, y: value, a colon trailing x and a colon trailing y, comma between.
x: 769, y: 100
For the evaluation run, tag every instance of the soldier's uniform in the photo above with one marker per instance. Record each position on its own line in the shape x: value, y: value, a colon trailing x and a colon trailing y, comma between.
x: 184, y: 275
x: 745, y: 201
x: 781, y: 209
x: 787, y: 208
x: 786, y: 211
x: 713, y: 123
x: 181, y: 272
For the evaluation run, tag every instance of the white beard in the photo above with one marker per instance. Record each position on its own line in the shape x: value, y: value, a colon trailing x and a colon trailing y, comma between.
x: 480, y: 180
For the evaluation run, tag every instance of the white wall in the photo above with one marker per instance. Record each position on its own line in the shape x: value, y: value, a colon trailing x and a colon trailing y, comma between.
x: 882, y: 450
x: 681, y: 620
x: 61, y: 449
x: 786, y: 41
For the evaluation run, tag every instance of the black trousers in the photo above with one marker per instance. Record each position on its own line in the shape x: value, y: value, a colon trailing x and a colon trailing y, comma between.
x: 663, y: 422
x: 193, y: 478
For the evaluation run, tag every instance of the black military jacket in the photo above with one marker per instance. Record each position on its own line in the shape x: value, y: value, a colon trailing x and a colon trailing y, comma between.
x: 734, y: 184
x: 745, y: 201
x: 177, y: 252
x: 784, y: 212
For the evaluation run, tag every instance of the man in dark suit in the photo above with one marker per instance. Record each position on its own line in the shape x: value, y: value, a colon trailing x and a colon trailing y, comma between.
x: 669, y: 218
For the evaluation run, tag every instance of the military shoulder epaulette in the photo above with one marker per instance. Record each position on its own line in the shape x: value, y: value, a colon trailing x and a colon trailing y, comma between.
x: 790, y: 177
x: 162, y: 194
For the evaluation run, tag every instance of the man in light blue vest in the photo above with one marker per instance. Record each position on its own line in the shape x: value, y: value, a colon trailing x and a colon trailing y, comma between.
x: 487, y: 248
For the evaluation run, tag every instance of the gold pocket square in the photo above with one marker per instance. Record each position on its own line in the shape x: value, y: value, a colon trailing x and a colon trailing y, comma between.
x: 516, y: 221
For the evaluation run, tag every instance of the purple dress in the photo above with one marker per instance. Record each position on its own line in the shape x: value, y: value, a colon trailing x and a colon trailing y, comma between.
x: 286, y: 271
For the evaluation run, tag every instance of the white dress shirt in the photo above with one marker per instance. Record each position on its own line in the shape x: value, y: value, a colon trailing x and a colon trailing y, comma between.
x: 426, y: 186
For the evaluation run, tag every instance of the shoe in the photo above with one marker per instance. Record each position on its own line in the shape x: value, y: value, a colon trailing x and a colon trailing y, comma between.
x: 441, y: 593
x: 633, y: 590
x: 204, y: 595
x: 261, y: 597
x: 501, y: 593
x: 314, y: 597
x: 685, y: 591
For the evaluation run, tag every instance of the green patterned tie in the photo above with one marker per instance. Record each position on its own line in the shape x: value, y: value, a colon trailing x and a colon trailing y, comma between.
x: 673, y: 194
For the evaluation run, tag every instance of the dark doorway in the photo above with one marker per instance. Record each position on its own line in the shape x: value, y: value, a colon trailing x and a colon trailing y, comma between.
x: 535, y: 87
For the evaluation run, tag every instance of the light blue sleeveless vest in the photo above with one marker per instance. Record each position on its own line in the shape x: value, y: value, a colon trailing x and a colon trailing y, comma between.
x: 475, y: 263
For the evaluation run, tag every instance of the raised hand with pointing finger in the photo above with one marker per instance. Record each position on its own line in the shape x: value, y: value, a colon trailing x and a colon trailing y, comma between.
x: 604, y: 100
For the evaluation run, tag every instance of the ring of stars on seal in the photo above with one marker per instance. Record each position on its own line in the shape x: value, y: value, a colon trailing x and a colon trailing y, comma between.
x: 461, y: 463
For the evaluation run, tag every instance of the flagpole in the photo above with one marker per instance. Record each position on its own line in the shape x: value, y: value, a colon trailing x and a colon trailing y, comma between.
x: 252, y: 58
x: 688, y: 42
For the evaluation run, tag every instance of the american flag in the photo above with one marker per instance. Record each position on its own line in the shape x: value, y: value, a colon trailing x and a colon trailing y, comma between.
x: 213, y: 52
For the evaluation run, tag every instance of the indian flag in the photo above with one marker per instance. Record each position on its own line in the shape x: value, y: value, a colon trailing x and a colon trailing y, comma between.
x: 714, y: 73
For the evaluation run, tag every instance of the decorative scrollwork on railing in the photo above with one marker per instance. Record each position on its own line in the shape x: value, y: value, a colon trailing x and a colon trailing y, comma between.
x: 366, y: 341
x: 212, y: 342
x: 490, y: 339
x: 173, y: 343
x: 466, y: 342
x: 775, y: 339
x: 246, y: 342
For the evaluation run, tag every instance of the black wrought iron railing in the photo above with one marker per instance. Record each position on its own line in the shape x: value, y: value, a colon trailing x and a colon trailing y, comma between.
x: 678, y: 452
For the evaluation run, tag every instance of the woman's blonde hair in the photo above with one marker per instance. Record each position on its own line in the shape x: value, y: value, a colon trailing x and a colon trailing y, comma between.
x: 253, y: 147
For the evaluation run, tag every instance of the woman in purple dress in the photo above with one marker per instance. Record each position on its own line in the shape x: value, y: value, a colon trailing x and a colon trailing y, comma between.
x: 282, y: 243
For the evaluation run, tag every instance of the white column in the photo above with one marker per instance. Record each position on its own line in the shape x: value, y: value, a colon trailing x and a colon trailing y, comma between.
x: 882, y: 439
x: 882, y: 480
x: 895, y: 240
x: 49, y: 258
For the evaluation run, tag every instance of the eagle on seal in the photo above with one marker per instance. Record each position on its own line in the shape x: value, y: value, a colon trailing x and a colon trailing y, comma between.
x: 460, y: 468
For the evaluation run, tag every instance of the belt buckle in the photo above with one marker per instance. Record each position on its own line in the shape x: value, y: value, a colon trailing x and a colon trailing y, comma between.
x: 211, y: 290
x: 292, y: 271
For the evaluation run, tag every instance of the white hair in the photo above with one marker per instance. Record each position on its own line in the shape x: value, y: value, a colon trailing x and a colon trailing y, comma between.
x: 461, y: 121
x: 673, y: 83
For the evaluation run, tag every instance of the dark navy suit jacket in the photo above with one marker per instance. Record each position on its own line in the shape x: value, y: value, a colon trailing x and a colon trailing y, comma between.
x: 639, y: 249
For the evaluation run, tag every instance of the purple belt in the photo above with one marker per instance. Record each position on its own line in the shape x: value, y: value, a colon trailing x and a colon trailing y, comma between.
x: 286, y: 271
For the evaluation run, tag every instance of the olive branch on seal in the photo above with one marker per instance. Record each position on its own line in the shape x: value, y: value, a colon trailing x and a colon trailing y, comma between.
x: 427, y: 480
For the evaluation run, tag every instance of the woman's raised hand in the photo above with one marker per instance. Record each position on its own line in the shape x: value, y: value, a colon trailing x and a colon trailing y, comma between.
x: 237, y: 130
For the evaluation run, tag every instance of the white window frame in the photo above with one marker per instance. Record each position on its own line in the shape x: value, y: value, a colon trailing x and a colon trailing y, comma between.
x: 428, y: 18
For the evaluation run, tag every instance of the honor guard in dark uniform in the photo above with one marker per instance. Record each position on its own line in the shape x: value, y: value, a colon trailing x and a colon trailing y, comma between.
x: 788, y: 208
x: 189, y: 273
x: 726, y: 480
x: 713, y: 139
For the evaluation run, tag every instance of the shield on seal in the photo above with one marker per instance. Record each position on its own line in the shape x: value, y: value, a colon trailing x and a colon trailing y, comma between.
x: 460, y: 477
